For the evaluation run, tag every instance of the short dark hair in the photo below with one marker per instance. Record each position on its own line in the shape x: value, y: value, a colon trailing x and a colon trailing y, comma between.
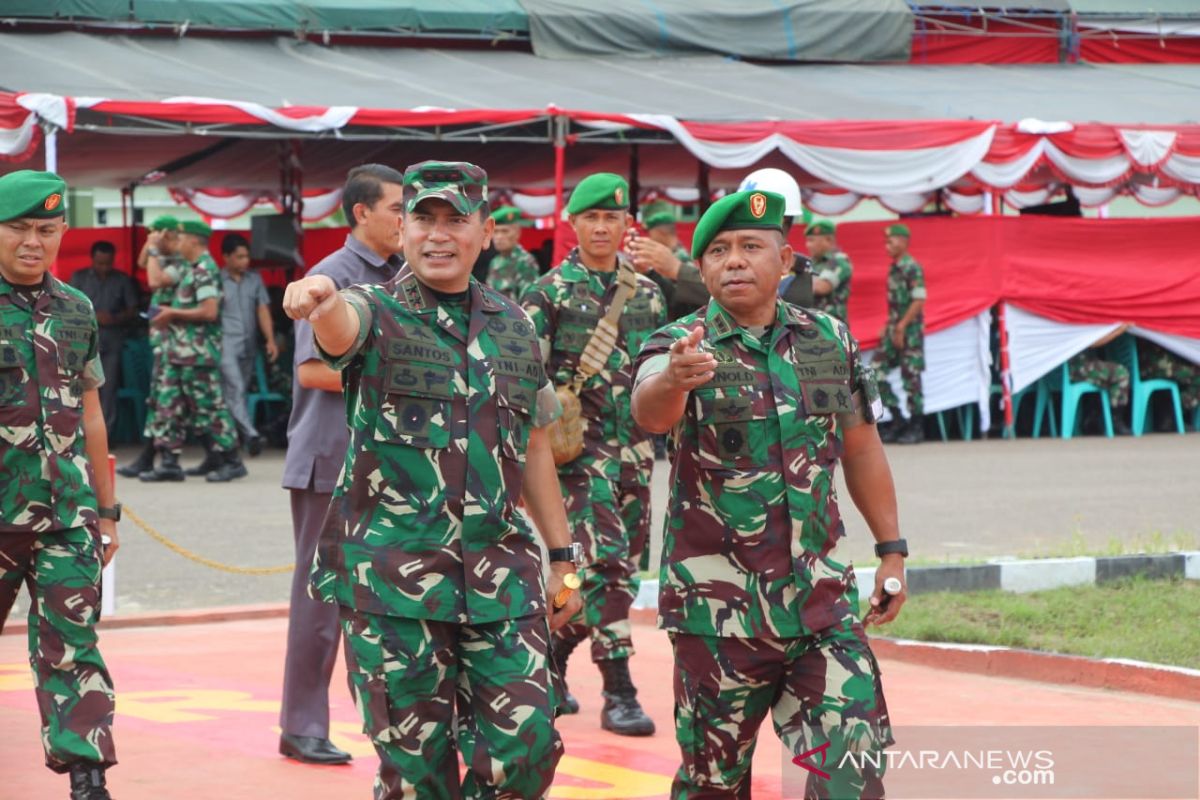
x: 364, y: 184
x: 104, y: 247
x: 232, y: 242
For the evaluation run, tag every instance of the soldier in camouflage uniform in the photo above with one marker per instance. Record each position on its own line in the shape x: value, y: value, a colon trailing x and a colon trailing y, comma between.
x: 902, y: 342
x: 162, y: 243
x: 607, y: 486
x: 437, y: 577
x: 1090, y: 366
x: 189, y: 394
x: 1154, y: 361
x: 513, y: 269
x: 54, y: 536
x: 661, y: 256
x: 762, y: 399
x: 831, y: 269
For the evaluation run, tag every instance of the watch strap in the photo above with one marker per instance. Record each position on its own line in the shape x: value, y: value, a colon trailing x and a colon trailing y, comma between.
x: 897, y: 546
x: 110, y: 512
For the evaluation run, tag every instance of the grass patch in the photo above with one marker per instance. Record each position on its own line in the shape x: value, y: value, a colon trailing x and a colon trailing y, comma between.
x: 1137, y: 618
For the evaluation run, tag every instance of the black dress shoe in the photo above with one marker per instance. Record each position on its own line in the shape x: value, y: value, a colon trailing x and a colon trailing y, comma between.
x: 87, y: 782
x: 254, y: 446
x: 311, y: 750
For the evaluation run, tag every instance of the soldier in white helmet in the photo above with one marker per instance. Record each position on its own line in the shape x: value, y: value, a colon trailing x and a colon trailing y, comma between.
x: 797, y: 284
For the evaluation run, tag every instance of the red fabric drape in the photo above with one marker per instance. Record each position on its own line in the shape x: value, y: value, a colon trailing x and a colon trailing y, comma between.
x: 1142, y: 271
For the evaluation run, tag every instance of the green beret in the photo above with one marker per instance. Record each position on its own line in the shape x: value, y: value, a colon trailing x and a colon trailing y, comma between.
x: 26, y: 193
x: 738, y: 211
x: 165, y: 223
x: 821, y: 227
x: 601, y: 190
x: 459, y: 183
x: 196, y: 228
x: 656, y: 218
x: 897, y: 229
x: 507, y: 215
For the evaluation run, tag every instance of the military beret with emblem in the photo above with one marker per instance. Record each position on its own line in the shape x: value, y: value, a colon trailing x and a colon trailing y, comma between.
x: 821, y: 227
x: 897, y: 229
x: 604, y: 190
x: 165, y: 223
x: 507, y: 215
x: 658, y: 218
x: 196, y: 228
x: 738, y: 211
x: 459, y: 183
x: 32, y: 194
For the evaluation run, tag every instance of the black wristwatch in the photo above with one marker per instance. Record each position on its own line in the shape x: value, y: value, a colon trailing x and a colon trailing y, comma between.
x: 113, y: 513
x: 572, y: 554
x: 898, y: 546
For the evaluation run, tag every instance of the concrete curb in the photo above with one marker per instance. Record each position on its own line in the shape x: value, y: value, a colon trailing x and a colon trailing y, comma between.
x: 1118, y: 674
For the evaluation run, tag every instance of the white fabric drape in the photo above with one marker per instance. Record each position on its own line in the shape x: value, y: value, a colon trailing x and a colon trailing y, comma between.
x: 830, y: 204
x: 1089, y: 171
x: 957, y: 368
x: 534, y: 205
x: 1006, y: 174
x: 1182, y: 346
x: 1036, y: 345
x: 1147, y: 148
x: 330, y: 119
x: 226, y: 206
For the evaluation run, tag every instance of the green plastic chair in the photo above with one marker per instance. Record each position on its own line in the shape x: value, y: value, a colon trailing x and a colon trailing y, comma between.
x: 1041, y: 409
x: 263, y: 394
x: 966, y: 421
x: 1072, y: 393
x: 1124, y: 349
x: 136, y: 361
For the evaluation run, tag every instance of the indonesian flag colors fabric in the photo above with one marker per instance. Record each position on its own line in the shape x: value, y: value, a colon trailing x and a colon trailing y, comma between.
x: 904, y: 163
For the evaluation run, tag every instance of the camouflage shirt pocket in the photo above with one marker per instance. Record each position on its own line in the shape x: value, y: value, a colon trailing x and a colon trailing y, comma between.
x: 732, y: 431
x: 415, y: 408
x: 15, y: 385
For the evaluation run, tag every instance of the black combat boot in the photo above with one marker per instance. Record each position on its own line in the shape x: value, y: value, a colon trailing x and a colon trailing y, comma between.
x: 622, y: 714
x: 87, y: 782
x: 231, y: 467
x: 913, y: 431
x: 888, y: 431
x: 561, y: 648
x: 143, y: 463
x: 168, y: 469
x: 212, y: 460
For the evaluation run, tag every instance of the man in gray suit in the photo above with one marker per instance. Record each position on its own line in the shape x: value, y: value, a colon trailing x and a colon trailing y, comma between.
x: 317, y: 443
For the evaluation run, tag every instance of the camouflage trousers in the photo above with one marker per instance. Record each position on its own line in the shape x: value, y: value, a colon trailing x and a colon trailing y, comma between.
x: 911, y: 362
x: 1108, y: 375
x: 611, y: 519
x: 820, y: 690
x: 74, y: 691
x: 190, y: 398
x: 1185, y: 374
x: 159, y: 359
x: 427, y: 690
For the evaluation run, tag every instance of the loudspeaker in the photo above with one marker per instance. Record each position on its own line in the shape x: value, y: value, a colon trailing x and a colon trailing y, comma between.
x: 273, y: 239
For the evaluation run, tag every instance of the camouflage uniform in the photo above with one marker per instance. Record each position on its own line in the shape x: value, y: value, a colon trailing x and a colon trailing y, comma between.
x: 173, y: 267
x: 834, y: 267
x: 49, y: 535
x: 906, y: 283
x: 189, y: 392
x: 1157, y: 362
x: 761, y: 613
x: 439, y: 579
x: 687, y: 292
x: 1110, y: 376
x: 513, y: 272
x: 607, y: 488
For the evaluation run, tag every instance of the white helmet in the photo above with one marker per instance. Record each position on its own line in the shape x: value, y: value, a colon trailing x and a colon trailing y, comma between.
x: 779, y: 182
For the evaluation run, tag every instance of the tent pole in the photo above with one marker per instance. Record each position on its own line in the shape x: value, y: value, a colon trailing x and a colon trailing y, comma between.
x: 635, y: 186
x: 1006, y: 392
x: 50, y: 138
x: 705, y: 191
x: 560, y: 163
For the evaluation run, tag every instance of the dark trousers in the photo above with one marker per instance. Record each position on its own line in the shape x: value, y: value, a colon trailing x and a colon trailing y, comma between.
x: 313, y: 629
x: 110, y: 360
